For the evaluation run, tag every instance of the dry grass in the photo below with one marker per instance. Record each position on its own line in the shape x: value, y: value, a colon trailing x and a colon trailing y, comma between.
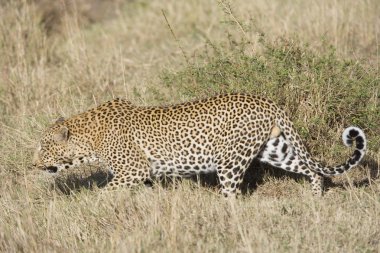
x: 82, y: 61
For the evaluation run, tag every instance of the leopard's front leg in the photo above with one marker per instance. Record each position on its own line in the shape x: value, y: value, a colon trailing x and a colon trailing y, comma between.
x: 128, y: 164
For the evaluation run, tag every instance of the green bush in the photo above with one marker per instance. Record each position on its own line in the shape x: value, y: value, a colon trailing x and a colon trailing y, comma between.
x: 321, y: 92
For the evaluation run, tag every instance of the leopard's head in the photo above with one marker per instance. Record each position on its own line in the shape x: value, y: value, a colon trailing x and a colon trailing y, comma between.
x: 54, y: 150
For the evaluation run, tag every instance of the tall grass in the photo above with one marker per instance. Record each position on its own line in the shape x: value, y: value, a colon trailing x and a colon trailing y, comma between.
x: 318, y: 59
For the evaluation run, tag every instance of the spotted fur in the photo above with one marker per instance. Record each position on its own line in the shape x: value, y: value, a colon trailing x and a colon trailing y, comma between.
x: 222, y: 134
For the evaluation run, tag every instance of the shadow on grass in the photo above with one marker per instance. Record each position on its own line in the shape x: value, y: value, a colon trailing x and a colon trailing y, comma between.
x: 73, y: 181
x: 257, y: 172
x: 255, y: 176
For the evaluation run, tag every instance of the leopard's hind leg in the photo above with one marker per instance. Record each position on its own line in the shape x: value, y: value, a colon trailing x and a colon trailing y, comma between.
x: 279, y: 153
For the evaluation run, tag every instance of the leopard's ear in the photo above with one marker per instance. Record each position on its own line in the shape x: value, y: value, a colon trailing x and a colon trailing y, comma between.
x: 60, y: 120
x: 62, y: 134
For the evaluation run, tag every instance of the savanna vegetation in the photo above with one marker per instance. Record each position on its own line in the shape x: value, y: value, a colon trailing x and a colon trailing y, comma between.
x: 319, y: 60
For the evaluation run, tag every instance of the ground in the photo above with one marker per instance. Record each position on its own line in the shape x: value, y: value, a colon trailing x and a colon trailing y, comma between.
x: 318, y: 60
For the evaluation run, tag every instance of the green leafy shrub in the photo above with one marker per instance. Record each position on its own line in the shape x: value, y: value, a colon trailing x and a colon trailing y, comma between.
x: 321, y: 92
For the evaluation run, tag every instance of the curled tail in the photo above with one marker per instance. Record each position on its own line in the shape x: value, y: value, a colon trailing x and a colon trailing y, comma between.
x: 350, y: 135
x: 300, y: 157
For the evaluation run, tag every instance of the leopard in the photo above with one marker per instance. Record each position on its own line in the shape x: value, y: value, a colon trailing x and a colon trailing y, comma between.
x: 222, y: 134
